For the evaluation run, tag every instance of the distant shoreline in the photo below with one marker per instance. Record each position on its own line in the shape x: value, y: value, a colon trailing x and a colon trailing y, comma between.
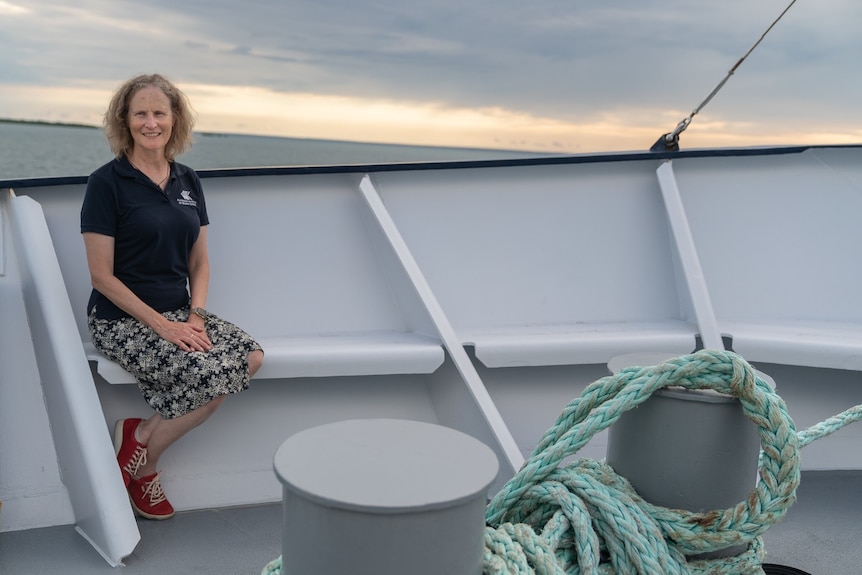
x: 295, y: 138
x: 46, y: 123
x: 93, y: 127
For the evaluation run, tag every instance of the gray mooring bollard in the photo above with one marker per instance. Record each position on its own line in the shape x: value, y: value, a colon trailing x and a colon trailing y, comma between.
x: 383, y: 497
x: 682, y: 449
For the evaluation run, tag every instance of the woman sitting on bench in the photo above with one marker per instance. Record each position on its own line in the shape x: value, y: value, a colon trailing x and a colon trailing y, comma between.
x: 144, y: 223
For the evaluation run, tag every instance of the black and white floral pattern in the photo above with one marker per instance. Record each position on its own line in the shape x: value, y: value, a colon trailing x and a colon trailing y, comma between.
x: 175, y: 382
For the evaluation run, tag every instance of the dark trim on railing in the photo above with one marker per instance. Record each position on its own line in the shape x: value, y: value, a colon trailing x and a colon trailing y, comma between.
x: 554, y: 160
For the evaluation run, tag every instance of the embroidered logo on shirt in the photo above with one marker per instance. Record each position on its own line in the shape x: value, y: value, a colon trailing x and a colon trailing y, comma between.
x: 185, y: 199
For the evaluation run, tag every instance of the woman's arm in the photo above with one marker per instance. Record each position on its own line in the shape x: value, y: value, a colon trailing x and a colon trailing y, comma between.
x: 100, y: 260
x: 199, y: 270
x: 199, y: 275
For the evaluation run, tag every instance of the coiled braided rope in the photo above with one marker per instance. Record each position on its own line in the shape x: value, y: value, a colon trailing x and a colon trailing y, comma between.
x: 583, y: 519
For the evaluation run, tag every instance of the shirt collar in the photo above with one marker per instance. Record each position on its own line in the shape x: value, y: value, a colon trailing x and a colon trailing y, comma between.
x: 125, y: 168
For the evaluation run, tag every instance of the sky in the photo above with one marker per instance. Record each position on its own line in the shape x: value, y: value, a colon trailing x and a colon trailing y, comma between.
x: 567, y: 76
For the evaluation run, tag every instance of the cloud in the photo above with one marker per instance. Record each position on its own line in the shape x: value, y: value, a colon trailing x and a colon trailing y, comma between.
x: 9, y: 9
x: 570, y: 67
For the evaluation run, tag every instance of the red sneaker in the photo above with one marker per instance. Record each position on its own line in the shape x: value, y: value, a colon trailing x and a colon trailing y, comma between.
x: 148, y: 499
x: 130, y: 453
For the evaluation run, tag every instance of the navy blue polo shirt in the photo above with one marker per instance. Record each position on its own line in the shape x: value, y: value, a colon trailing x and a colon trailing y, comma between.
x: 153, y: 232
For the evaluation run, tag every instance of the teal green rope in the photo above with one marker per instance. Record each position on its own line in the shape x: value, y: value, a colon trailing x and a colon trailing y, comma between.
x: 639, y: 537
x: 583, y: 519
x: 830, y: 426
x: 273, y: 567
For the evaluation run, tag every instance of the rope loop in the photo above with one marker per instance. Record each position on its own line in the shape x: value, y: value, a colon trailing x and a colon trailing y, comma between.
x: 561, y: 503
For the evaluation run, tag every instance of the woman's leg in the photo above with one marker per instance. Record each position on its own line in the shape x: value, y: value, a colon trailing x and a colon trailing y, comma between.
x: 158, y: 433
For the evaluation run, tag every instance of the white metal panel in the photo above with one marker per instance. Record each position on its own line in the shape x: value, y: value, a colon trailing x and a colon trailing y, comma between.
x: 540, y: 245
x: 547, y: 265
x: 778, y: 238
x: 292, y: 257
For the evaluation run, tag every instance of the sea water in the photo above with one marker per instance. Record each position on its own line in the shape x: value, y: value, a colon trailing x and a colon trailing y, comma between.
x: 44, y: 150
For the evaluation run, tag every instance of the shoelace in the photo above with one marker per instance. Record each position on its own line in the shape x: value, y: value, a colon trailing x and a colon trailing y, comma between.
x: 153, y: 488
x: 139, y: 458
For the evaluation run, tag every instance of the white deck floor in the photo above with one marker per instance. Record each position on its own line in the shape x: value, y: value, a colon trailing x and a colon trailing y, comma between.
x: 821, y: 535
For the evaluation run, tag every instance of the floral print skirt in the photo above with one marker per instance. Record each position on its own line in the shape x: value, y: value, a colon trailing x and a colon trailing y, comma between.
x: 175, y: 382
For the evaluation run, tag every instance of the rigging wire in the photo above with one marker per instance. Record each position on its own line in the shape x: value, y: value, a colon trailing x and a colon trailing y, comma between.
x: 670, y: 141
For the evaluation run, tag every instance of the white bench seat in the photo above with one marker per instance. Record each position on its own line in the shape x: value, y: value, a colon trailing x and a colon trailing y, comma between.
x: 580, y: 343
x: 835, y: 345
x: 354, y: 354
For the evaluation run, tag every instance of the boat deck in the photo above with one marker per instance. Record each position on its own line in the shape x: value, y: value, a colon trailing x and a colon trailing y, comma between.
x: 820, y: 535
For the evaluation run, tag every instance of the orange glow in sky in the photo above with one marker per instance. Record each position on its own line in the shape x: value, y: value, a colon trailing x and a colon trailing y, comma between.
x: 261, y: 111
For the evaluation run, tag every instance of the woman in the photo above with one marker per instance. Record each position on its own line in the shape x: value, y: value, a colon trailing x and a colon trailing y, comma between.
x: 144, y: 223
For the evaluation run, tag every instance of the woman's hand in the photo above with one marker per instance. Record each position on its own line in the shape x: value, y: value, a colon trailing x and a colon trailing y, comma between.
x: 188, y: 336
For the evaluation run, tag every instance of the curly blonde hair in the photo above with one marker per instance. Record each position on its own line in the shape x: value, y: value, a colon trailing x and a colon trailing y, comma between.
x: 116, y: 120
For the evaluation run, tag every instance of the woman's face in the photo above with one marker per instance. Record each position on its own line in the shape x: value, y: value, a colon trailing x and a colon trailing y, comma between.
x: 150, y: 119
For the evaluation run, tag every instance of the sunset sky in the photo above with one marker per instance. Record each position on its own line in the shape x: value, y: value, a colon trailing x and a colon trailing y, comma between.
x: 545, y: 75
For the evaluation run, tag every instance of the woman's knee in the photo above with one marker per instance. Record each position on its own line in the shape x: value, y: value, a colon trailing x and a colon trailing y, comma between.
x: 215, y: 402
x: 255, y: 360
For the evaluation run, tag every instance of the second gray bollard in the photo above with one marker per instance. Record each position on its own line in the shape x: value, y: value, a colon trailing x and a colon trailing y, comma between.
x: 685, y: 449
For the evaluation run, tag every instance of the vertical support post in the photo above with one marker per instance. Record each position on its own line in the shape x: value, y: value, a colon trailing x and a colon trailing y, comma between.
x: 687, y: 251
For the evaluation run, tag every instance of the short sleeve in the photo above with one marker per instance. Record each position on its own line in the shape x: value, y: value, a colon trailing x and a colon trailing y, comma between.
x: 99, y: 210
